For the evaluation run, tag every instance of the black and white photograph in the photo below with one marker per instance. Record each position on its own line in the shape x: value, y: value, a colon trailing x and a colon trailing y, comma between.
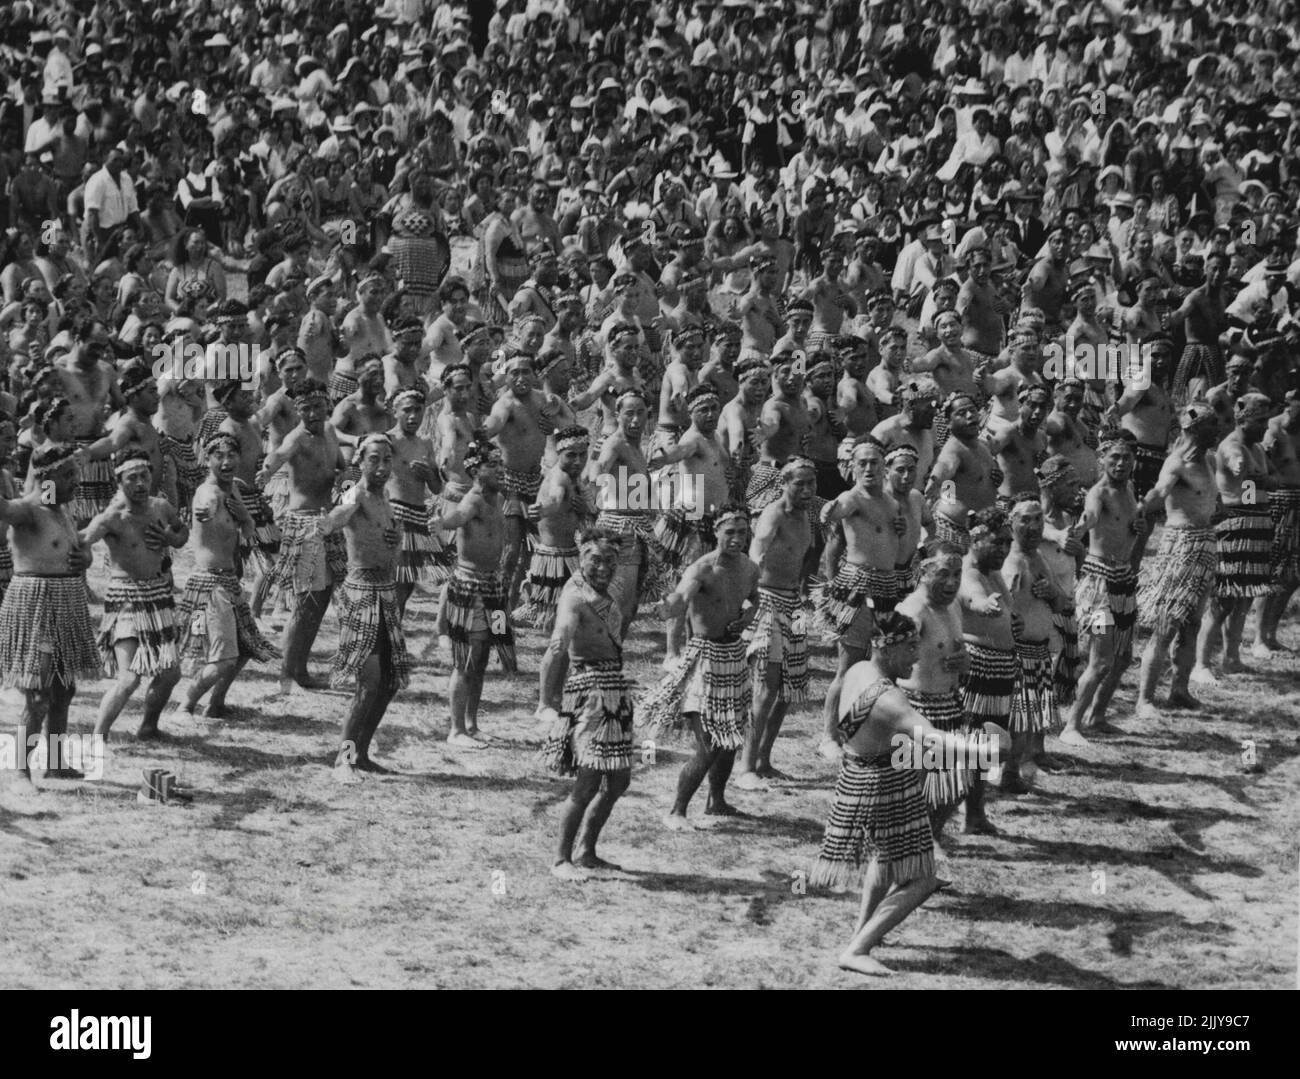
x: 657, y: 494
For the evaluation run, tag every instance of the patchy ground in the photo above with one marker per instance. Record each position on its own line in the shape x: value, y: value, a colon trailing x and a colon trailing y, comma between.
x: 1158, y: 861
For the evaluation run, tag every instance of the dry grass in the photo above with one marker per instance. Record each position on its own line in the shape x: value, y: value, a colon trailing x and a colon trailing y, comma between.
x: 275, y: 877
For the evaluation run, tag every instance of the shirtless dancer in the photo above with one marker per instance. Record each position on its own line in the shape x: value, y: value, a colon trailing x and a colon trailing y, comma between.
x: 913, y: 424
x: 412, y: 473
x: 883, y: 380
x: 778, y: 641
x: 989, y: 626
x: 520, y: 420
x: 362, y: 412
x: 879, y: 816
x: 133, y: 429
x: 276, y: 418
x: 1145, y: 410
x: 824, y: 428
x: 372, y: 650
x: 561, y: 511
x: 46, y: 640
x: 1245, y: 537
x: 137, y: 636
x: 760, y: 317
x: 783, y: 428
x: 90, y: 383
x: 474, y: 612
x: 966, y: 463
x: 1035, y: 598
x: 589, y: 701
x: 1104, y: 600
x: 1021, y: 446
x: 933, y: 686
x: 685, y: 530
x: 708, y: 687
x: 262, y: 547
x: 363, y: 331
x: 218, y: 635
x: 866, y: 582
x: 739, y: 421
x: 1177, y: 583
x: 681, y: 376
x: 1065, y: 434
x: 621, y: 467
x: 453, y: 430
x: 1004, y: 386
x: 310, y: 562
x: 1282, y: 444
x: 952, y: 368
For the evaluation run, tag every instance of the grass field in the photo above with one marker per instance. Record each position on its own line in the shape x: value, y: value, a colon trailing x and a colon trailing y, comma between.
x: 1157, y: 861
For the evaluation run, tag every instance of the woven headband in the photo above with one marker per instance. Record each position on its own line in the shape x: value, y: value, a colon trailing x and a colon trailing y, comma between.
x: 903, y: 450
x: 50, y: 467
x: 131, y: 463
x: 408, y: 395
x: 882, y: 639
x: 1105, y: 445
x: 1251, y: 406
x: 953, y: 399
x: 1194, y: 415
x: 703, y: 399
x: 572, y: 442
x: 1048, y: 476
x: 377, y: 437
x: 731, y: 515
x: 218, y: 438
x: 477, y: 453
x: 798, y: 464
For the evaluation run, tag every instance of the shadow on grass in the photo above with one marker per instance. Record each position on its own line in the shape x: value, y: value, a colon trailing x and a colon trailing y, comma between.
x: 1179, y: 865
x: 999, y: 966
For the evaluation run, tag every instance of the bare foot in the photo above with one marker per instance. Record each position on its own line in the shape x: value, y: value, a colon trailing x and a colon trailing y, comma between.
x: 980, y: 826
x: 461, y: 740
x: 722, y: 809
x: 1071, y: 737
x: 598, y: 865
x: 1203, y: 676
x: 347, y: 774
x: 217, y: 711
x: 1102, y: 727
x: 1263, y: 650
x: 569, y: 871
x: 1180, y: 698
x: 150, y: 733
x: 768, y: 772
x: 365, y: 764
x: 830, y: 749
x: 1233, y: 665
x: 864, y: 964
x: 749, y: 781
x: 1147, y: 710
x: 677, y: 822
x: 1012, y: 784
x: 64, y: 773
x: 307, y: 681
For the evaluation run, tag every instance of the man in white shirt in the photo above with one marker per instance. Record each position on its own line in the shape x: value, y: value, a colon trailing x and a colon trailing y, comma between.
x: 110, y: 202
x: 58, y: 65
x: 44, y: 130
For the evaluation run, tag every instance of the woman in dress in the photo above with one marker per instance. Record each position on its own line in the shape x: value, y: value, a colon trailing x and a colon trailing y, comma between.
x: 195, y: 274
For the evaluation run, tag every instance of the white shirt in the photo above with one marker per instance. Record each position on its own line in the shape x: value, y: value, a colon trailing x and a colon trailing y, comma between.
x: 58, y: 71
x: 114, y: 199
